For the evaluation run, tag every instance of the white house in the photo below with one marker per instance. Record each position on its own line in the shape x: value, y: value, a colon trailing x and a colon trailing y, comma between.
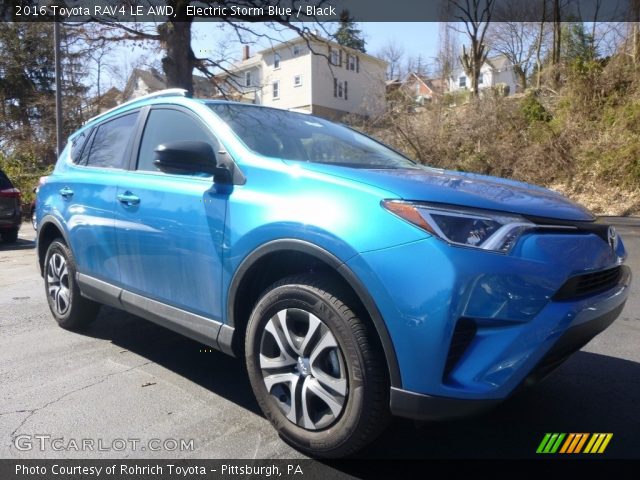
x: 495, y: 70
x: 314, y: 75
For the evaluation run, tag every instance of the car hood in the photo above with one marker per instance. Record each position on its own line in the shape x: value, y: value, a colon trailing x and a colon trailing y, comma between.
x: 464, y: 189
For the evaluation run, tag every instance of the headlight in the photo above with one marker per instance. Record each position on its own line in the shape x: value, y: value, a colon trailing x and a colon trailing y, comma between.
x: 464, y: 227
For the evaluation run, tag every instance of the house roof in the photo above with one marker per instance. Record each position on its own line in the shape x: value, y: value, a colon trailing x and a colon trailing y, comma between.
x: 499, y: 62
x: 155, y: 81
x: 436, y: 85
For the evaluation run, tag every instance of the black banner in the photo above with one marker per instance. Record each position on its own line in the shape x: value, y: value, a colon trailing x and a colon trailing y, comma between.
x: 313, y: 10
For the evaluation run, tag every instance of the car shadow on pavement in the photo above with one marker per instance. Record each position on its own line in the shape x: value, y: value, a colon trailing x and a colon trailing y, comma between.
x: 213, y: 370
x: 590, y: 393
x: 20, y: 244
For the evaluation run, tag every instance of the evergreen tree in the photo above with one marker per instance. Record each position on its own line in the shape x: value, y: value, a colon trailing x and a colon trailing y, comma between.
x: 348, y: 34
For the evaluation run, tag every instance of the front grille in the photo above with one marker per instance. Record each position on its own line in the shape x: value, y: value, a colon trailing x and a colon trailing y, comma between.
x: 462, y: 337
x: 589, y: 284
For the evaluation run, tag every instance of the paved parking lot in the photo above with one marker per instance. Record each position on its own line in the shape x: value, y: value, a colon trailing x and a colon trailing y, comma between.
x: 129, y: 379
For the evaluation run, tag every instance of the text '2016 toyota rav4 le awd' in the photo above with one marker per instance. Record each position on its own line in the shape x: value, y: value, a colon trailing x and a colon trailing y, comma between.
x: 355, y: 282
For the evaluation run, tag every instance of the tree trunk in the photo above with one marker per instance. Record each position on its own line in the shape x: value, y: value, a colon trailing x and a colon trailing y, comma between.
x: 175, y: 38
x: 539, y: 46
x: 522, y: 76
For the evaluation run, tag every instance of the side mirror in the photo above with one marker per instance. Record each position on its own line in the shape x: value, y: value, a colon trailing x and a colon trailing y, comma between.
x: 185, y: 157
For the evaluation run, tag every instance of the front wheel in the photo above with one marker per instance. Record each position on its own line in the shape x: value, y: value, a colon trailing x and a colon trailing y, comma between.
x: 70, y: 309
x: 316, y: 367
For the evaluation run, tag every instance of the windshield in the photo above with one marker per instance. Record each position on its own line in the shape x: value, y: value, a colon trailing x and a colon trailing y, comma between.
x: 297, y: 136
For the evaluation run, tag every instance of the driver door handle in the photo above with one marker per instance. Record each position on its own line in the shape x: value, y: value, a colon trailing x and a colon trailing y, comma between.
x: 128, y: 198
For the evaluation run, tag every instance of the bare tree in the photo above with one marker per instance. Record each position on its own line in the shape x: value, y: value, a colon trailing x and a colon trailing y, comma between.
x: 447, y: 51
x: 518, y: 41
x: 174, y: 36
x: 539, y: 46
x: 393, y: 54
x: 476, y: 16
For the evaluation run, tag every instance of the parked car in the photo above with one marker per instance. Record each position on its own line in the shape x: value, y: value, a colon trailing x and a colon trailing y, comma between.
x: 354, y: 282
x: 10, y: 213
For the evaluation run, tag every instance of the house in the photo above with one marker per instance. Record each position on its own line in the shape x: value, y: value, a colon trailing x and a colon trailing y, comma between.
x: 494, y: 71
x: 141, y: 82
x: 423, y: 89
x: 314, y: 75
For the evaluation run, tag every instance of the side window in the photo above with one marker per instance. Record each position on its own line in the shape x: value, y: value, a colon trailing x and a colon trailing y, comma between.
x: 76, y: 145
x: 110, y: 142
x: 164, y: 126
x: 85, y: 152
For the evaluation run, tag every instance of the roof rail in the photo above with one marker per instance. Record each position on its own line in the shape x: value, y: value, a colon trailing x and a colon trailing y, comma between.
x: 169, y: 92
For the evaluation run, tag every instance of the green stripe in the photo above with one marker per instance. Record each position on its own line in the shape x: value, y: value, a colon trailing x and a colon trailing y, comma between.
x: 547, y: 449
x: 558, y: 442
x: 543, y: 443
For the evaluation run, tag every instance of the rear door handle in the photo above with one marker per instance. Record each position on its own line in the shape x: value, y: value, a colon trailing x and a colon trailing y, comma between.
x: 128, y: 198
x: 66, y: 192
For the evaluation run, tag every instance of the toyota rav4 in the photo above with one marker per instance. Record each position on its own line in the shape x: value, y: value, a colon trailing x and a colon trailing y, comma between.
x: 355, y: 283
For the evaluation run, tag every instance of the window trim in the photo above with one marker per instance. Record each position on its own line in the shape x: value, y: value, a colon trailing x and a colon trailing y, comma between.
x: 277, y: 59
x: 275, y: 88
x: 297, y: 76
x: 247, y: 79
x: 462, y: 81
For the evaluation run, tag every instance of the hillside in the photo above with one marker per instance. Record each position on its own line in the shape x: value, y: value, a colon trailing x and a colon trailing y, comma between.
x: 581, y: 138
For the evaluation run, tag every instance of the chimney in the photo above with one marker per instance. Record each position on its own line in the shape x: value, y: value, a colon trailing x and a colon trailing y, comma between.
x: 245, y: 52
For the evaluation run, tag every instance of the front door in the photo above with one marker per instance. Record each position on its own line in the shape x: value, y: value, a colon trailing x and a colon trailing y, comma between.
x: 170, y: 227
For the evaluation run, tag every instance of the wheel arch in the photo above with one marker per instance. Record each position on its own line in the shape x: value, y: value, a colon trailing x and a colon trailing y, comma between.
x: 49, y: 229
x: 239, y: 307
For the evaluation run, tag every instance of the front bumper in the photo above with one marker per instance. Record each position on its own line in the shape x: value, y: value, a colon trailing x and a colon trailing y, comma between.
x: 426, y: 290
x: 427, y: 407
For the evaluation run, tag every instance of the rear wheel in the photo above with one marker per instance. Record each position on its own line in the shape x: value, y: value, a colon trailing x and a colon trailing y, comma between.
x: 70, y: 309
x: 10, y: 236
x: 316, y: 368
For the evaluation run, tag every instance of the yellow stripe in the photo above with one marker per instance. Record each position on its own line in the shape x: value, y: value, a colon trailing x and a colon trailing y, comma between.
x: 598, y: 442
x: 591, y: 442
x: 567, y: 443
x: 605, y: 443
x: 575, y: 442
x: 584, y: 439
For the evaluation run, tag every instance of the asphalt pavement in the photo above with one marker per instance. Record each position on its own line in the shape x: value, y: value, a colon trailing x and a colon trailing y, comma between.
x: 126, y: 381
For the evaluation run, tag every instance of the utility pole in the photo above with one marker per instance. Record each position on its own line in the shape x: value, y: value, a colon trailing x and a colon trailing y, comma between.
x: 58, y: 73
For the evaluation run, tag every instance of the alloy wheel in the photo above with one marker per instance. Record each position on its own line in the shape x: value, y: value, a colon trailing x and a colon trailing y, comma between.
x: 58, y: 283
x: 303, y: 368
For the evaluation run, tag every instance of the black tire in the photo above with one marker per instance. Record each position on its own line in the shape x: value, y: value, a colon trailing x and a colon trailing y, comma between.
x: 70, y: 309
x: 364, y: 409
x: 10, y: 236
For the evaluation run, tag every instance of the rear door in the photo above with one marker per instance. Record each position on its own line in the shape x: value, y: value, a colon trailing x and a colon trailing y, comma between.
x: 170, y: 227
x: 86, y: 195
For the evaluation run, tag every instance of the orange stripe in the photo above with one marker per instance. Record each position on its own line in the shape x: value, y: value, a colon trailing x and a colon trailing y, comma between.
x: 567, y: 443
x: 594, y: 449
x: 605, y: 443
x: 574, y: 443
x: 584, y: 439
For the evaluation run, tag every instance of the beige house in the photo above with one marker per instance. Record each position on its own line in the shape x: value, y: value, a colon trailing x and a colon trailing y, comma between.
x: 313, y: 75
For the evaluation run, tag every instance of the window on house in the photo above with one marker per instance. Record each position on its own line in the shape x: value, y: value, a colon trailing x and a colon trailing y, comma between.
x: 335, y: 57
x: 276, y: 89
x: 276, y: 60
x: 462, y: 81
x: 340, y: 89
x: 247, y: 79
x: 480, y: 80
x: 351, y: 62
x: 296, y: 49
x: 297, y: 80
x: 346, y: 90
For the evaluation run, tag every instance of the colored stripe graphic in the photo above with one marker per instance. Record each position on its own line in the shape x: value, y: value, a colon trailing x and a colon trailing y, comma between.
x: 573, y: 443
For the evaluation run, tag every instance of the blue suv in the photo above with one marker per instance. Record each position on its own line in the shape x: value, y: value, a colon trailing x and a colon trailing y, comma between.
x: 355, y: 283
